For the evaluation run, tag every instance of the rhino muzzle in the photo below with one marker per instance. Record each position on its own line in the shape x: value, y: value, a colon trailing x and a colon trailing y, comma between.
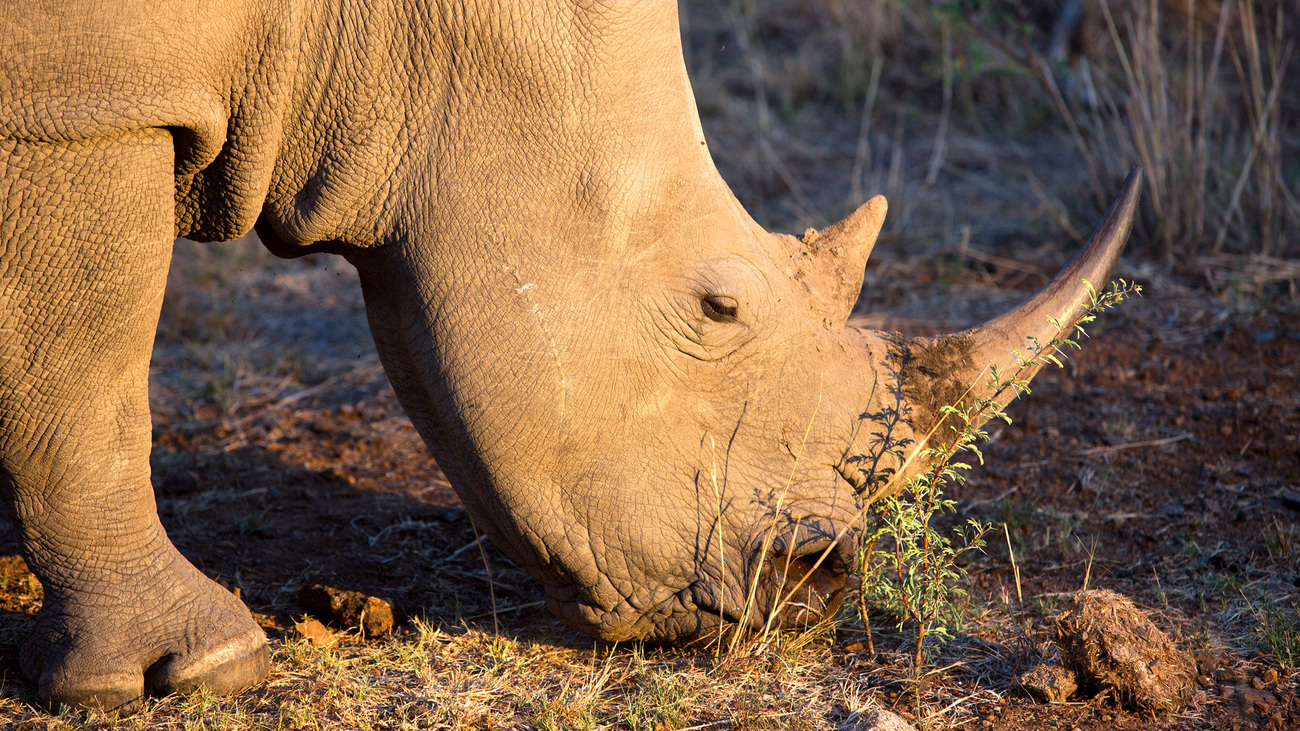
x: 808, y: 585
x: 785, y: 589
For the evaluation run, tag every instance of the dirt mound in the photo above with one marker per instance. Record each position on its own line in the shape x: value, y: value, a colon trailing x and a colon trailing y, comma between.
x: 1114, y: 647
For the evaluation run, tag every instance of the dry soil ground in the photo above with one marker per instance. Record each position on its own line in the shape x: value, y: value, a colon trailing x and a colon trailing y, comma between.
x: 1162, y: 462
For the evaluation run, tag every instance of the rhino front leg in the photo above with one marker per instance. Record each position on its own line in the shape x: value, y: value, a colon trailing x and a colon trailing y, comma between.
x: 84, y: 251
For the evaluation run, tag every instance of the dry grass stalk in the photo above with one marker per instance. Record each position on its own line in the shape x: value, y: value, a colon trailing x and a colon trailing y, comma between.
x: 1200, y: 99
x: 1176, y: 114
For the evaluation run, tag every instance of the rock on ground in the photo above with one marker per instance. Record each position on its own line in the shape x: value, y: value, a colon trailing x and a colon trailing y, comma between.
x: 1113, y: 646
x: 1048, y: 682
x: 882, y: 720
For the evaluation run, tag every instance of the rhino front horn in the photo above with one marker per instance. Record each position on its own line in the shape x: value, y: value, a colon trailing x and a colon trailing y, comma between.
x: 992, y: 344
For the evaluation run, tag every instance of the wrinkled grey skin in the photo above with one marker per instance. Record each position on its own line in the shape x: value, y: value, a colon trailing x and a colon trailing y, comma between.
x: 646, y: 400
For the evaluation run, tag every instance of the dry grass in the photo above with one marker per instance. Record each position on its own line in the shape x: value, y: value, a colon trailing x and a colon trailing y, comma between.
x: 1203, y: 110
x: 466, y: 677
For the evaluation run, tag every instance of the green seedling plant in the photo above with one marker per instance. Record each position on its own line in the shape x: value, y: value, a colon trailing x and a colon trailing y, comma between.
x: 915, y: 570
x: 1279, y: 630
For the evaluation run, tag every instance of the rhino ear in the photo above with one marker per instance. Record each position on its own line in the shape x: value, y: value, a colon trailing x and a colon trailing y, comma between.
x: 833, y: 260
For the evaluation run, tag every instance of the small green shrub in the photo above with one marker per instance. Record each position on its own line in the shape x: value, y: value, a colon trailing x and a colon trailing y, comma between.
x: 909, y: 567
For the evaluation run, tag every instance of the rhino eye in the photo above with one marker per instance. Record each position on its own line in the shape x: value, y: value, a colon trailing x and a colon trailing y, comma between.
x: 718, y: 309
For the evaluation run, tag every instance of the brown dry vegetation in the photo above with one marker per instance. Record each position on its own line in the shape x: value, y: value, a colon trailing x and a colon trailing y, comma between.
x: 1162, y: 462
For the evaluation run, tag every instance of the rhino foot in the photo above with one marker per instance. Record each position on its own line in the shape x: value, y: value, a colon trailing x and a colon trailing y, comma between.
x: 108, y: 646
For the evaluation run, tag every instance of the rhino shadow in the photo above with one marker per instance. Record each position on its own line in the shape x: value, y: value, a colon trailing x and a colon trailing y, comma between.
x: 253, y: 521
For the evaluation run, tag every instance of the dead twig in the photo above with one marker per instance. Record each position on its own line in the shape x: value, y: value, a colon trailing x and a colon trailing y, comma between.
x: 1134, y: 445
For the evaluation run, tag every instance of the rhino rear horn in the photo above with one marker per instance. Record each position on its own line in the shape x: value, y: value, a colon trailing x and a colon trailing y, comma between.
x: 839, y: 253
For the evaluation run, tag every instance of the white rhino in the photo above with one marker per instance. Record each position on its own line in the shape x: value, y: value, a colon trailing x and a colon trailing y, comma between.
x: 630, y: 383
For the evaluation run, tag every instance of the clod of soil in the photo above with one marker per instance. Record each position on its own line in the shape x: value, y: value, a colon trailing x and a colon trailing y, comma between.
x: 1252, y: 699
x: 314, y: 632
x: 349, y: 608
x: 1048, y: 682
x: 1113, y: 646
x: 1229, y: 676
x: 1207, y: 661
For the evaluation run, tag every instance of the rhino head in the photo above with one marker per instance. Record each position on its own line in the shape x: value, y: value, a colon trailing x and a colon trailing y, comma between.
x: 649, y: 402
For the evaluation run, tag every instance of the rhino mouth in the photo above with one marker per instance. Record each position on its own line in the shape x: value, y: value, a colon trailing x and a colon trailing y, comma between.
x: 809, y: 586
x: 801, y: 580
